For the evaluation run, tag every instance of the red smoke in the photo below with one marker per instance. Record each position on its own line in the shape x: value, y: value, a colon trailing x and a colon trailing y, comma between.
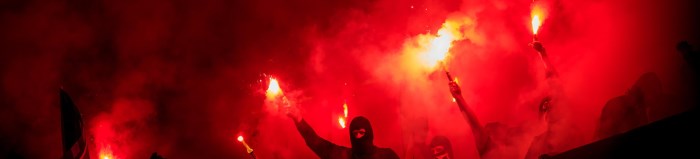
x: 184, y: 78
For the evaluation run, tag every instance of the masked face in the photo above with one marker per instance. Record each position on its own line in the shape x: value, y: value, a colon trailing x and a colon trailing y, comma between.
x: 441, y: 148
x: 359, y: 133
x: 361, y: 136
x: 439, y: 152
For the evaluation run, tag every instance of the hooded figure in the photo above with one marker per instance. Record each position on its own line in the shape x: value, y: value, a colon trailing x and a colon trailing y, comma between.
x: 361, y: 137
x: 442, y: 148
x: 630, y: 111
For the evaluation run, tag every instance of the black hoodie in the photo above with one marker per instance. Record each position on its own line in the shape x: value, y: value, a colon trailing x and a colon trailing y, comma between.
x: 362, y: 148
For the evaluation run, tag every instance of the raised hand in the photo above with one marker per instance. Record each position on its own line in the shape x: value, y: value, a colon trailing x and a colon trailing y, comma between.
x: 454, y: 89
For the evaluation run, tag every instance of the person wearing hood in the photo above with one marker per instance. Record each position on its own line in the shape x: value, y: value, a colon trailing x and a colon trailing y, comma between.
x: 441, y: 148
x: 361, y: 138
x: 630, y: 110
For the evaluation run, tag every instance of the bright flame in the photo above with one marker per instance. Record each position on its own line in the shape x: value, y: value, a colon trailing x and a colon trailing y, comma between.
x: 439, y: 47
x: 538, y: 15
x: 345, y: 109
x: 106, y: 153
x: 273, y: 89
x: 341, y: 121
x: 536, y: 23
x: 240, y: 138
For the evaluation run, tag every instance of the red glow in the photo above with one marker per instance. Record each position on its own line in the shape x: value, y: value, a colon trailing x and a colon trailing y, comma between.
x: 104, y: 137
x: 106, y: 153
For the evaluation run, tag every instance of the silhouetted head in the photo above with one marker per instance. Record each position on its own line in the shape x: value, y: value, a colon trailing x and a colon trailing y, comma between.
x: 684, y: 47
x: 361, y: 136
x: 442, y: 148
x: 646, y: 90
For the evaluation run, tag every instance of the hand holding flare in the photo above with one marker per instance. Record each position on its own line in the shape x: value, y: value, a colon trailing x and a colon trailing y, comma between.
x: 247, y: 148
x: 274, y: 93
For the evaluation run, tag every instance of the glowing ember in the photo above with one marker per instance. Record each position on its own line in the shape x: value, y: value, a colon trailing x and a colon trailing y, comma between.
x: 240, y: 138
x: 273, y: 89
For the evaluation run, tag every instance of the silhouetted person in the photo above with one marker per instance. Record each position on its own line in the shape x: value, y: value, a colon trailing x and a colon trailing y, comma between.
x: 361, y: 138
x: 689, y: 55
x: 156, y: 156
x: 73, y: 138
x: 483, y: 140
x: 542, y: 143
x: 629, y: 111
x: 692, y: 59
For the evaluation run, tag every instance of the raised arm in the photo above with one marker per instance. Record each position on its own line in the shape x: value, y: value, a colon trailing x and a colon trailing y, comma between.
x: 481, y: 138
x: 322, y: 147
x: 551, y: 72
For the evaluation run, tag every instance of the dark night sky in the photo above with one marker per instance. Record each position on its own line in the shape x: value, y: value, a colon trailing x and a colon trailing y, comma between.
x: 184, y: 78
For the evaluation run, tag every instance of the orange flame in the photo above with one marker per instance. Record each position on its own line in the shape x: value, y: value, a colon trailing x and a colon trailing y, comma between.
x: 538, y: 14
x: 536, y: 24
x: 341, y: 119
x: 439, y: 46
x: 345, y: 109
x: 106, y: 153
x: 274, y: 88
x: 240, y: 138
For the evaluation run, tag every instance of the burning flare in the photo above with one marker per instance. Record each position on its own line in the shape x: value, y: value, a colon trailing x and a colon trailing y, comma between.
x: 106, y: 153
x: 273, y: 90
x: 247, y: 148
x: 440, y: 45
x: 341, y: 119
x: 536, y: 24
x: 538, y: 15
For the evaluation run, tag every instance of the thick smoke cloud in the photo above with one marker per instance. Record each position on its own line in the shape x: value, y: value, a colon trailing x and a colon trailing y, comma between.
x: 184, y: 78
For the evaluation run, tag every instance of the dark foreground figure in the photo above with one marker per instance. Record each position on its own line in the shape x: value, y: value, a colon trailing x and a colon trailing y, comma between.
x: 361, y: 138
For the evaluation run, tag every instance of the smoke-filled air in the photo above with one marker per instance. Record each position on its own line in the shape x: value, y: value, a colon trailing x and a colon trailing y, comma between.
x: 217, y: 79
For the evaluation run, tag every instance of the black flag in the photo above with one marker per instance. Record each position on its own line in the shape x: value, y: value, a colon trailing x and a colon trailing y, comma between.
x: 74, y: 145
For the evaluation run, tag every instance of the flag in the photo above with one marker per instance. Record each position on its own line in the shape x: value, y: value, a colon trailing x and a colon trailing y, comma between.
x: 73, y: 139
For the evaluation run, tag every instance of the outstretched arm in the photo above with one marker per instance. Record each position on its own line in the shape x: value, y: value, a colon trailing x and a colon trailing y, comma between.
x: 551, y: 72
x: 318, y: 145
x: 481, y: 138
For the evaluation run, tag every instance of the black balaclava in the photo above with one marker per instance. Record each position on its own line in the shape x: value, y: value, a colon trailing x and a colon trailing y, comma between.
x: 362, y: 146
x: 445, y: 143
